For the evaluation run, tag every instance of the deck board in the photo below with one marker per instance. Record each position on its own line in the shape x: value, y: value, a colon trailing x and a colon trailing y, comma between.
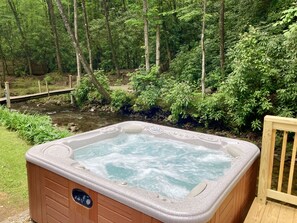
x: 271, y: 213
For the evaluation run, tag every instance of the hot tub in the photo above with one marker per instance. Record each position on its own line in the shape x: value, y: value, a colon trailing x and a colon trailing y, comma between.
x: 68, y: 182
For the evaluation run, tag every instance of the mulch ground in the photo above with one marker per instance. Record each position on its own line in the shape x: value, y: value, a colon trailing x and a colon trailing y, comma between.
x: 19, y: 218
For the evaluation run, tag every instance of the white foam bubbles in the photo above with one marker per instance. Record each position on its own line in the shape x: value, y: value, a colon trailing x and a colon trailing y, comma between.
x: 167, y: 167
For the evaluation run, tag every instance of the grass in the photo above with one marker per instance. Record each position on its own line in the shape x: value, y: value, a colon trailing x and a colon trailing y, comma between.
x: 13, y: 176
x: 29, y: 84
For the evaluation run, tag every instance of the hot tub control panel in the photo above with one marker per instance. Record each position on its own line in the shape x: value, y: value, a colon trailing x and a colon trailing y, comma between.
x: 82, y: 198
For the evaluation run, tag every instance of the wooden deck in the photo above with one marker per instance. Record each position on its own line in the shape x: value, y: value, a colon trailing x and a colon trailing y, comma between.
x: 36, y: 96
x: 271, y: 212
x: 277, y: 200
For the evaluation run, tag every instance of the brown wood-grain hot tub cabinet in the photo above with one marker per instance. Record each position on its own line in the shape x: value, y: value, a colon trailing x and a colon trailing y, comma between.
x: 50, y: 200
x: 61, y: 189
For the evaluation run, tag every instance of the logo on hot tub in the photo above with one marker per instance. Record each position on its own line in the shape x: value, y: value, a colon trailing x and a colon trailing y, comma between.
x: 82, y: 198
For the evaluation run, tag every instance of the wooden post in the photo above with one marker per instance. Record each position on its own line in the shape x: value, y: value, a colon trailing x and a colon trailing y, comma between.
x: 70, y: 81
x: 7, y: 94
x: 78, y: 81
x: 39, y: 86
x: 70, y: 86
x: 46, y: 87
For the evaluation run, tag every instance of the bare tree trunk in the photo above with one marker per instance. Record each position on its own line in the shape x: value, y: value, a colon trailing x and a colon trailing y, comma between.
x: 78, y: 67
x: 85, y: 64
x: 158, y: 32
x: 146, y: 36
x: 24, y: 41
x: 110, y: 39
x: 4, y: 66
x: 203, y: 50
x: 86, y: 20
x: 222, y: 36
x: 158, y: 46
x: 52, y: 21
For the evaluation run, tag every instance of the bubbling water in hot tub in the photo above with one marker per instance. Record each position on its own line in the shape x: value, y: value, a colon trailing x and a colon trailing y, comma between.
x: 168, y: 167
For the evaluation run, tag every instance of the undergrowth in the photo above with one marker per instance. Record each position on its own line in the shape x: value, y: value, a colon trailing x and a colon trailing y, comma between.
x: 35, y: 129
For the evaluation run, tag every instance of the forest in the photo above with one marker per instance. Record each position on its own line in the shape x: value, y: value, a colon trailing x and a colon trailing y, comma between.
x: 224, y: 63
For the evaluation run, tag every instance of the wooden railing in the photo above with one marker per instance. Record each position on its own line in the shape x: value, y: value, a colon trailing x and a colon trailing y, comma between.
x: 276, y: 127
x: 8, y: 99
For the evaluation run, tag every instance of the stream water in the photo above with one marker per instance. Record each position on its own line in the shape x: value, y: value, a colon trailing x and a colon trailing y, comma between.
x: 67, y: 115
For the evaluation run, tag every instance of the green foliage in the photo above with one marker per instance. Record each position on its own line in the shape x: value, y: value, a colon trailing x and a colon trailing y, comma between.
x: 211, y: 110
x: 179, y: 97
x: 147, y: 99
x: 287, y: 92
x: 147, y: 87
x: 51, y: 78
x: 81, y: 92
x: 86, y: 92
x: 249, y: 86
x: 121, y: 100
x: 141, y: 80
x: 187, y: 65
x: 33, y: 128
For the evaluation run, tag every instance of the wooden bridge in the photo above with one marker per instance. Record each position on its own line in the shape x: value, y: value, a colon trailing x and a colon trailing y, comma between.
x: 8, y: 99
x: 35, y: 96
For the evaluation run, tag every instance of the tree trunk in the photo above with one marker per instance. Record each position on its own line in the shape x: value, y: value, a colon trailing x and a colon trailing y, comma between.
x: 52, y: 21
x: 146, y: 36
x: 158, y: 46
x: 87, y: 33
x: 24, y: 41
x: 4, y: 66
x: 222, y: 37
x: 110, y: 39
x: 78, y: 66
x: 203, y: 50
x: 85, y: 64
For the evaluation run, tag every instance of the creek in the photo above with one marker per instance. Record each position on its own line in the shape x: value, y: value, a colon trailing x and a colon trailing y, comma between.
x: 77, y: 120
x: 66, y: 115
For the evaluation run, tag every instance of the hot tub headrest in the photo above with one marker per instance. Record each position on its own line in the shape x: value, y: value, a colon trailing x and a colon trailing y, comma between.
x: 134, y: 128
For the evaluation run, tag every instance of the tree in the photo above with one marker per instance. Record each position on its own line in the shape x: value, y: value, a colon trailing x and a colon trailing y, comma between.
x: 146, y: 36
x: 86, y: 21
x: 222, y: 36
x: 4, y: 65
x: 52, y: 21
x: 77, y: 48
x: 23, y: 37
x: 110, y: 39
x: 76, y: 37
x: 158, y: 30
x: 203, y: 49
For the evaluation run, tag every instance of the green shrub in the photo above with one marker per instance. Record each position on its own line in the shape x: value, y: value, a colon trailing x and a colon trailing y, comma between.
x: 147, y: 89
x: 179, y: 97
x: 249, y: 87
x: 141, y: 80
x: 187, y: 65
x: 147, y: 99
x: 287, y: 92
x: 121, y: 100
x: 211, y: 109
x: 86, y: 92
x: 35, y: 129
